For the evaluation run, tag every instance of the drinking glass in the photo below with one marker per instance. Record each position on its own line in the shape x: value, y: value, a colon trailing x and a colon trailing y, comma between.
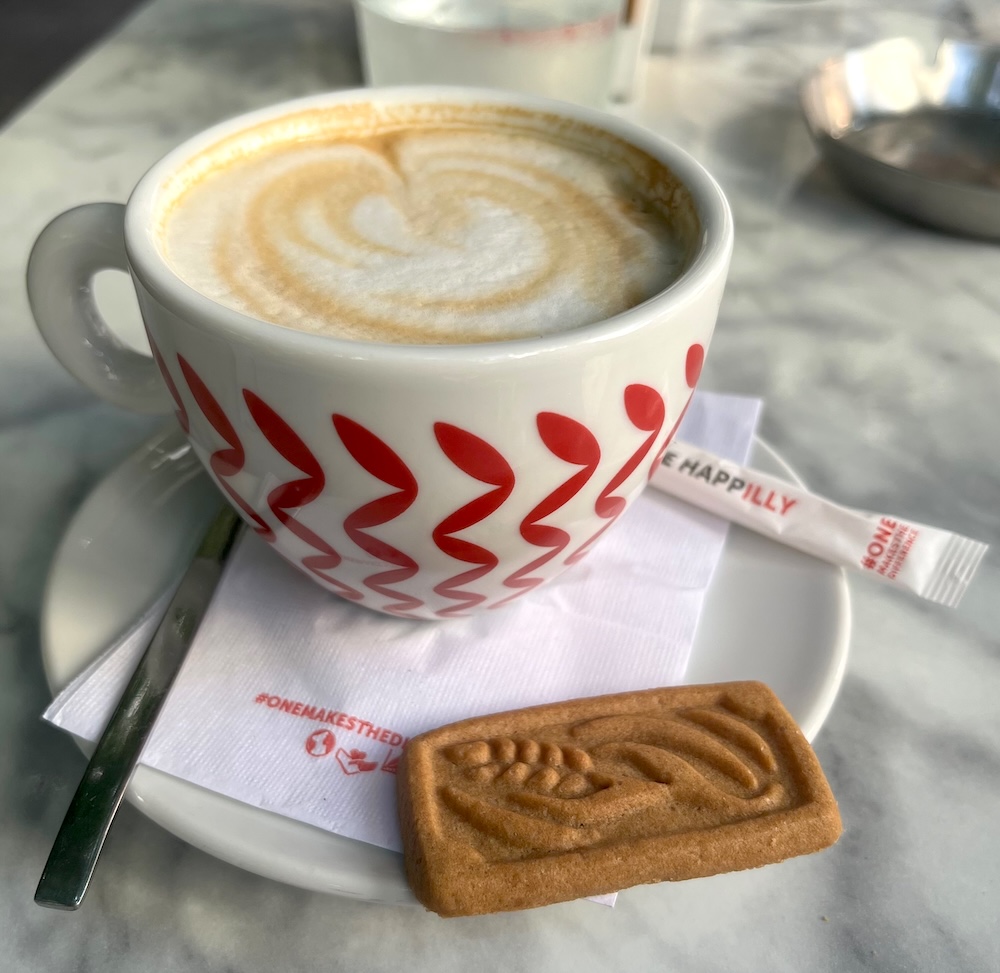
x: 560, y: 48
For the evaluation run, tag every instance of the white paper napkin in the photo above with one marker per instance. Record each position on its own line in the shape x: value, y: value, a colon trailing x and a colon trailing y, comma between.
x: 297, y: 702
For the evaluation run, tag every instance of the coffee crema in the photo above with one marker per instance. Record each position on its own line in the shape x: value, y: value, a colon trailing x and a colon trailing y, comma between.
x: 426, y: 223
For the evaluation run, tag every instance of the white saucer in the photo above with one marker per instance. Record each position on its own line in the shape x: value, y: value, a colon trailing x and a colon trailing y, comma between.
x: 772, y: 614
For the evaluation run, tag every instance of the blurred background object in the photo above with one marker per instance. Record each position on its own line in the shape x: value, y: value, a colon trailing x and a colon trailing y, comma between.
x: 914, y: 130
x: 724, y: 77
x: 38, y: 39
x: 635, y: 38
x: 560, y: 48
x: 723, y: 85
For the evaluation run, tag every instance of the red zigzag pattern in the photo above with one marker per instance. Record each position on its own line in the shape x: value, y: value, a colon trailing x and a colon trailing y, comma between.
x: 224, y: 462
x: 567, y: 439
x: 298, y: 493
x: 181, y: 413
x: 573, y: 443
x: 378, y: 459
x: 478, y: 459
x: 646, y: 411
x: 692, y: 372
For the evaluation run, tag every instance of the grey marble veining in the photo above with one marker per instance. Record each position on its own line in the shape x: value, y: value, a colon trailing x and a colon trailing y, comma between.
x: 876, y: 346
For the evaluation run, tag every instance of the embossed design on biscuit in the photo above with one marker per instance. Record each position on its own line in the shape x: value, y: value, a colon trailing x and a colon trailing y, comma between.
x: 592, y: 796
x: 679, y: 771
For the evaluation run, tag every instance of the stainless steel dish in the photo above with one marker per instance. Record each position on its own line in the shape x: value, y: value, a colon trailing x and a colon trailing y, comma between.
x: 917, y: 134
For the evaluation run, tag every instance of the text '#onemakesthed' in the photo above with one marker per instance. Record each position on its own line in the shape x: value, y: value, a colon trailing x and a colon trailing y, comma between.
x: 319, y: 714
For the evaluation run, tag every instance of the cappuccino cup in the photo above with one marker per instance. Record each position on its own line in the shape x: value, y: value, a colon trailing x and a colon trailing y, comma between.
x: 430, y: 343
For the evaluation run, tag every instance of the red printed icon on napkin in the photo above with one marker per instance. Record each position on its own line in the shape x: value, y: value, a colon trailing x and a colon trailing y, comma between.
x: 353, y: 761
x: 319, y: 743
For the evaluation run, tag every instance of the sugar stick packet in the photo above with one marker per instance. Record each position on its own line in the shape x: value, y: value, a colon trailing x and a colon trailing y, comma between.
x: 935, y: 564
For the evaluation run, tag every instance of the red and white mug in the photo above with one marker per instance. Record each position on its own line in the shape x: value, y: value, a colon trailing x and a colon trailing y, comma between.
x: 423, y: 481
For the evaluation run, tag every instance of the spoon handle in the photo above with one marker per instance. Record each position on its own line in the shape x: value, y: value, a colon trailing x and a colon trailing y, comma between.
x: 81, y: 837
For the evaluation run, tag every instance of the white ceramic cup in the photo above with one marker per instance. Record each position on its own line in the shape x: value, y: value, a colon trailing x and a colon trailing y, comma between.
x: 422, y: 481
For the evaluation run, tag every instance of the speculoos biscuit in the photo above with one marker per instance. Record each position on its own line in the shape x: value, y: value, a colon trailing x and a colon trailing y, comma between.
x: 590, y: 796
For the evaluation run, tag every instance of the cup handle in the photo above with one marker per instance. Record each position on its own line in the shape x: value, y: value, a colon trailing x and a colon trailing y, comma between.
x: 66, y: 256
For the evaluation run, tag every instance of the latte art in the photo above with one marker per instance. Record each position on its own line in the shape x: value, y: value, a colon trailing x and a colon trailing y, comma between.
x: 428, y: 232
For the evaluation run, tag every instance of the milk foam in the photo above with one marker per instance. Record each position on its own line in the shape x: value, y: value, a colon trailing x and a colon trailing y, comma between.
x: 428, y: 233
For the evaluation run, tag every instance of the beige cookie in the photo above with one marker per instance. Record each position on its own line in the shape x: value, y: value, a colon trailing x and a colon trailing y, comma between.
x: 590, y: 796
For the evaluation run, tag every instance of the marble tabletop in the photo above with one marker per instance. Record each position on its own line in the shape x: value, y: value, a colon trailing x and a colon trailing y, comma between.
x: 876, y: 347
